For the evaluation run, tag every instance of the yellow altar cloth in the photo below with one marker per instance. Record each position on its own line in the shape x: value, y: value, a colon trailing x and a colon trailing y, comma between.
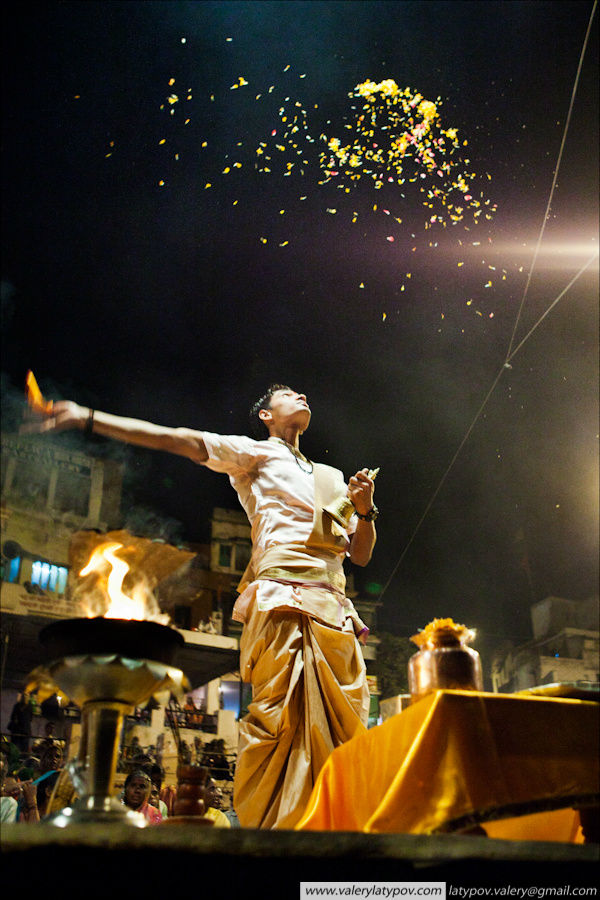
x: 461, y: 758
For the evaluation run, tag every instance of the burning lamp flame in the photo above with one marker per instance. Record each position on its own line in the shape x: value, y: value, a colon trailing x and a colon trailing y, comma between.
x: 34, y: 396
x: 121, y: 606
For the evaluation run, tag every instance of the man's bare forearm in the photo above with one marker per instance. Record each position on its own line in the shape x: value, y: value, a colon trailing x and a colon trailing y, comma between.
x: 66, y: 415
x: 363, y: 541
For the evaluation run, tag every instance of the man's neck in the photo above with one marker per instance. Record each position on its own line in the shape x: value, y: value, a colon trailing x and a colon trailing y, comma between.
x: 290, y: 435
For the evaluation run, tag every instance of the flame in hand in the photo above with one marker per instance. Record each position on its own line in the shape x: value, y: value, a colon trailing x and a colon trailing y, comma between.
x: 142, y: 605
x: 35, y: 398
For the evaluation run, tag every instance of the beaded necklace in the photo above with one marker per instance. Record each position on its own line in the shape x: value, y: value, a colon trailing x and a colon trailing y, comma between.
x: 297, y: 456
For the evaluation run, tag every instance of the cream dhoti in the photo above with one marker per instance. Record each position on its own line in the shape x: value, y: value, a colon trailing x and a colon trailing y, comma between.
x: 309, y: 696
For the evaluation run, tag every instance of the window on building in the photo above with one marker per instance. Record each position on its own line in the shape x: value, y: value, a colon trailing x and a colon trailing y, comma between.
x: 235, y: 696
x: 225, y: 555
x: 72, y: 493
x: 49, y: 577
x: 234, y: 556
x: 30, y: 484
x: 11, y: 569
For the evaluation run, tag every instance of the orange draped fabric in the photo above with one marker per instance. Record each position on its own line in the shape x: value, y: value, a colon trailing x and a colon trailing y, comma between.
x: 458, y: 758
x: 309, y: 695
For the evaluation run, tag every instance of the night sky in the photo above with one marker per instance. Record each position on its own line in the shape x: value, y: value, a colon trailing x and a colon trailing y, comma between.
x: 129, y: 285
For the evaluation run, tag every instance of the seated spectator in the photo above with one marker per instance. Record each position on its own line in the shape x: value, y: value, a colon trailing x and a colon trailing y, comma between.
x: 136, y: 793
x: 214, y: 797
x: 193, y: 714
x: 50, y: 732
x: 232, y: 817
x: 49, y: 737
x: 216, y: 760
x: 156, y: 777
x: 11, y: 754
x: 131, y: 750
x: 155, y: 801
x: 11, y: 787
x: 8, y: 809
x: 8, y: 803
x: 50, y: 758
x: 168, y: 795
x: 35, y: 797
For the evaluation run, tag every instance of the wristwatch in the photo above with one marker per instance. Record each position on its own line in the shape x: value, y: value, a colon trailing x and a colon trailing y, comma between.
x: 370, y: 516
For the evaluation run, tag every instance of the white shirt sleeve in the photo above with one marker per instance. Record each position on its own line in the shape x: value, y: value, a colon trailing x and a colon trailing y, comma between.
x: 237, y: 455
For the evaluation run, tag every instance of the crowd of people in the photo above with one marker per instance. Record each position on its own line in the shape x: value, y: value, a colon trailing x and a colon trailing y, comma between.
x: 26, y: 799
x: 31, y: 768
x: 143, y: 793
x: 144, y: 764
x: 212, y: 754
x: 28, y: 785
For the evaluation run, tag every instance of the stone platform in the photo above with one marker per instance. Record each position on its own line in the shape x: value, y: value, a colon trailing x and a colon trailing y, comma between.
x: 117, y: 861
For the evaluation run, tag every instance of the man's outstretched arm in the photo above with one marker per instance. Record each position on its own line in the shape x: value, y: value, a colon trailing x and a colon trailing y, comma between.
x: 66, y: 415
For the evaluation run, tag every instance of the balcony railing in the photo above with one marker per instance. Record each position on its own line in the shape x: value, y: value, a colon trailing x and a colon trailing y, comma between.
x: 194, y: 720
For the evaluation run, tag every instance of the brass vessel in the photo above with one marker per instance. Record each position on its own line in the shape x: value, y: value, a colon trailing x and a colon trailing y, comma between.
x: 445, y: 662
x: 192, y: 797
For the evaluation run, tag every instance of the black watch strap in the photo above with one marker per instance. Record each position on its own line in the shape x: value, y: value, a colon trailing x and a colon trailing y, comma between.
x: 370, y: 516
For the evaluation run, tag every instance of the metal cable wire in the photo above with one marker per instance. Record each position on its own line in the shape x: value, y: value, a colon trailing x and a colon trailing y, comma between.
x: 511, y: 352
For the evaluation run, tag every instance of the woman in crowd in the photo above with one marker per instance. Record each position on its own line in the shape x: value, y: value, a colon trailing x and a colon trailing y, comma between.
x: 136, y: 793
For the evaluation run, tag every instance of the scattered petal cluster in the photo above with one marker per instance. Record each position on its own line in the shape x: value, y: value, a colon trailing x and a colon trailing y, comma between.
x: 398, y: 137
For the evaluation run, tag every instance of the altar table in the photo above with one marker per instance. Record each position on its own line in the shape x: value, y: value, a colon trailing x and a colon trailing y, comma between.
x: 515, y: 765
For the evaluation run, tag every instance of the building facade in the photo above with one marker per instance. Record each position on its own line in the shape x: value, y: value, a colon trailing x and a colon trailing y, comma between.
x: 48, y: 493
x: 565, y: 647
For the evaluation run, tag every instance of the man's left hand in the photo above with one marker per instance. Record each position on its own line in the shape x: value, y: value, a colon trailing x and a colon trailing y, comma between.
x: 360, y: 492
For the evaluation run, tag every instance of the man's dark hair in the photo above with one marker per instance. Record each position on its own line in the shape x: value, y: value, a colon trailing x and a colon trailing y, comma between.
x: 256, y: 424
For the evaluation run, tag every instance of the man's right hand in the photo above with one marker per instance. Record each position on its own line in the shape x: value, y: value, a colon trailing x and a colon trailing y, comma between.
x: 63, y: 416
